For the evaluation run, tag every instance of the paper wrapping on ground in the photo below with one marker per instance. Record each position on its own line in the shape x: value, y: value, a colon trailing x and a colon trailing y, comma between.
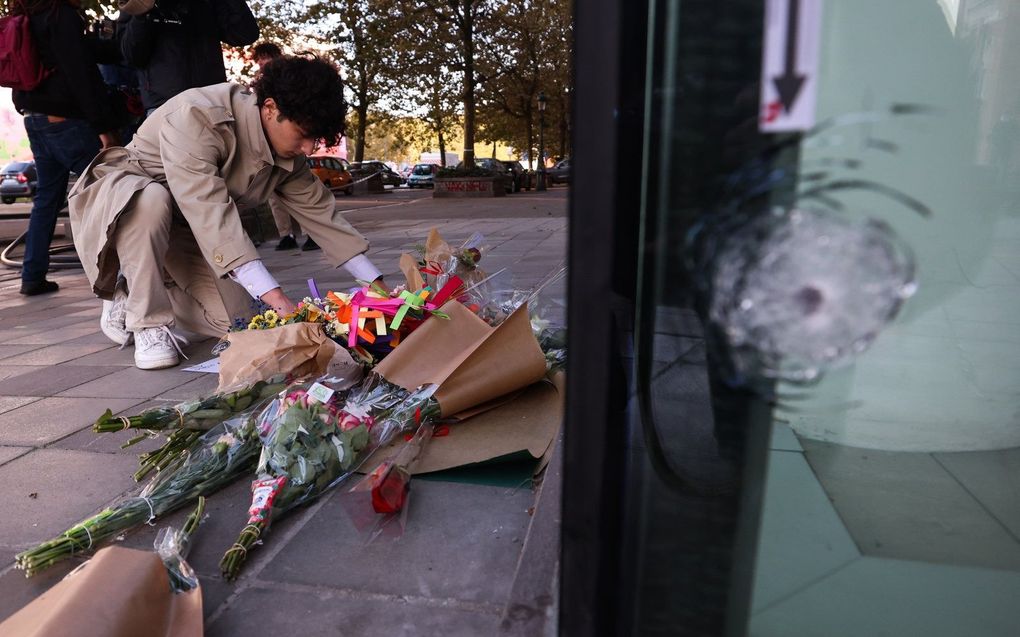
x: 528, y: 423
x: 120, y: 592
x: 409, y: 267
x: 471, y: 362
x: 300, y: 349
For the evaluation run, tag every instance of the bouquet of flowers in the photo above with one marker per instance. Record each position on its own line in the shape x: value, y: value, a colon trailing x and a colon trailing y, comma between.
x: 438, y: 262
x: 388, y: 486
x: 188, y: 420
x: 221, y: 455
x: 313, y: 438
x: 369, y: 321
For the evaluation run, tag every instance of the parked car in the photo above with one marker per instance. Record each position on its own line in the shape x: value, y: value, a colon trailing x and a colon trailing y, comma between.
x: 495, y: 166
x: 520, y: 175
x: 333, y: 172
x: 18, y: 179
x: 422, y: 176
x: 560, y: 173
x: 389, y: 176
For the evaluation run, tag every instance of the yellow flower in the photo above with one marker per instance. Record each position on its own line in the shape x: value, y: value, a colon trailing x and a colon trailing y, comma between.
x: 271, y: 316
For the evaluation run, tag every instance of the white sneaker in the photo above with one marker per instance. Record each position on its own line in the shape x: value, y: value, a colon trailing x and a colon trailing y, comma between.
x: 157, y: 348
x: 113, y: 317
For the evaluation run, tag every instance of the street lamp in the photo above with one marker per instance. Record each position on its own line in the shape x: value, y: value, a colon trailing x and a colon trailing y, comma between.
x: 541, y: 141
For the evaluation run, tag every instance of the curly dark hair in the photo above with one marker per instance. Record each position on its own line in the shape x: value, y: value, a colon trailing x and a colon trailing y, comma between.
x: 309, y: 92
x: 266, y: 50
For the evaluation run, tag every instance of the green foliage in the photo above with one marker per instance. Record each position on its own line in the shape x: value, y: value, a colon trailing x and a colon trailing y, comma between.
x: 476, y: 65
x: 358, y: 35
x: 535, y: 39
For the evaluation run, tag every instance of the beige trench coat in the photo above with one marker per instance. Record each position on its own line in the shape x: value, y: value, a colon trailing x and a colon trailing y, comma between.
x: 207, y: 147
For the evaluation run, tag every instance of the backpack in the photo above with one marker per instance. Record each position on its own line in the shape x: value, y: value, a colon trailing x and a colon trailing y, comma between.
x: 20, y: 68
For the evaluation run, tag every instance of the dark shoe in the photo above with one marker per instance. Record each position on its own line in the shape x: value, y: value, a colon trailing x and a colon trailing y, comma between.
x: 310, y: 245
x: 31, y: 288
x: 287, y: 243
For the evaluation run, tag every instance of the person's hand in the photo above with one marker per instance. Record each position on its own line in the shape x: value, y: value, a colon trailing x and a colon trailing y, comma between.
x: 279, y: 301
x: 109, y: 139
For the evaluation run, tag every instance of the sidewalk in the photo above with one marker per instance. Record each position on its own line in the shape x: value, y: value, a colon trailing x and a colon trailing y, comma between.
x: 453, y: 572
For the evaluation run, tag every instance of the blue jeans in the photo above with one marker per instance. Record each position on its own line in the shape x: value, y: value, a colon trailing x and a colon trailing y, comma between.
x: 59, y: 148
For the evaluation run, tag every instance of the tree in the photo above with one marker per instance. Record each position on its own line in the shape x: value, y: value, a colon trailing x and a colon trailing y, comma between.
x: 357, y: 34
x: 532, y: 40
x: 427, y: 87
x: 465, y: 23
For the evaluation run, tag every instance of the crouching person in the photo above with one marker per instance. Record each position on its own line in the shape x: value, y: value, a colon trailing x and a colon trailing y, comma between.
x: 156, y: 223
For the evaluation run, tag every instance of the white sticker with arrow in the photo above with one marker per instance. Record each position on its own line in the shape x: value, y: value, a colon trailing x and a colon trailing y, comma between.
x: 789, y: 68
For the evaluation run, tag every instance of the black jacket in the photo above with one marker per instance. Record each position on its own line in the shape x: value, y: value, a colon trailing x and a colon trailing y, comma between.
x: 176, y: 46
x: 74, y: 89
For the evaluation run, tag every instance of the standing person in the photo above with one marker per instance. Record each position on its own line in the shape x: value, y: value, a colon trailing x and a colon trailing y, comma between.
x: 68, y: 117
x: 264, y: 53
x: 176, y: 45
x: 164, y: 210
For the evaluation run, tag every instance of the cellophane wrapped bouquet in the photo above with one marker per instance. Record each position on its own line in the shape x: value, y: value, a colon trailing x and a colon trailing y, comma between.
x: 187, y: 421
x: 222, y: 454
x: 313, y: 437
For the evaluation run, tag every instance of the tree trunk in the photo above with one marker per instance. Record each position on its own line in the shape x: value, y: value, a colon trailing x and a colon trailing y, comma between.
x: 531, y: 142
x: 362, y: 111
x: 467, y: 33
x: 359, y: 142
x: 563, y: 132
x: 442, y: 148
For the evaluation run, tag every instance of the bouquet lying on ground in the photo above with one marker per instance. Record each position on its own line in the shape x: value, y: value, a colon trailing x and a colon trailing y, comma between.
x: 222, y: 454
x: 438, y: 263
x: 383, y: 494
x: 313, y: 438
x: 370, y: 321
x: 187, y: 421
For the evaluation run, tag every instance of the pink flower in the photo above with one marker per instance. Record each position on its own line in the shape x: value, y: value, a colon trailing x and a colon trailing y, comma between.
x: 296, y: 398
x: 348, y: 422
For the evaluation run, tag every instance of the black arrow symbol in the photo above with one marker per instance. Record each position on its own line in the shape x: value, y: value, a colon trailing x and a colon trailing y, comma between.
x: 788, y: 84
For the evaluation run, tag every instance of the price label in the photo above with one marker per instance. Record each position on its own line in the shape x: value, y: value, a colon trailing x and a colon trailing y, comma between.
x: 320, y: 392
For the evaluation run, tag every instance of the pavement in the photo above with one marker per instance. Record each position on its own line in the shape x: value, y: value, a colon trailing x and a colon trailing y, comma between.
x: 474, y: 559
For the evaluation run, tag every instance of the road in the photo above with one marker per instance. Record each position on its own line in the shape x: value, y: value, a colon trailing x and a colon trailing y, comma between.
x: 357, y: 206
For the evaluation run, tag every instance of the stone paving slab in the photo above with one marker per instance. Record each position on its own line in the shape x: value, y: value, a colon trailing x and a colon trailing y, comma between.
x: 8, y: 403
x: 85, y: 440
x: 993, y: 478
x: 12, y: 371
x: 49, y: 381
x: 443, y: 527
x: 111, y: 356
x: 131, y: 382
x: 16, y: 590
x: 199, y: 384
x: 271, y: 609
x: 908, y: 506
x: 7, y: 351
x: 50, y: 419
x: 8, y: 453
x: 55, y: 354
x: 41, y: 322
x: 92, y: 338
x: 69, y: 486
x: 35, y: 335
